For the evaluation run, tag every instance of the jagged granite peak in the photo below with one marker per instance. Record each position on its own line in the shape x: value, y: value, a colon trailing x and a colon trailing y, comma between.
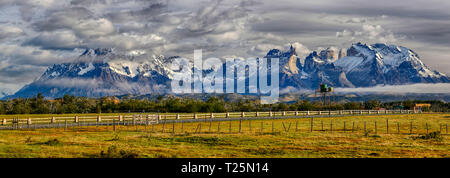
x: 316, y: 69
x: 330, y: 54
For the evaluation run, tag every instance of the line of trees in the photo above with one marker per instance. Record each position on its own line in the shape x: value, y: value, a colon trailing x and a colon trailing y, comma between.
x: 72, y: 104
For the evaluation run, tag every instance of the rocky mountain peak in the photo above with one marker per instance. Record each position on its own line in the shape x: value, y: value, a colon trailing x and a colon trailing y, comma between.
x: 97, y: 51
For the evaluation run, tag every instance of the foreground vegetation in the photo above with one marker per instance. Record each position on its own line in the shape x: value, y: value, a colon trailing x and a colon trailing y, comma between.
x: 290, y: 138
x: 71, y: 104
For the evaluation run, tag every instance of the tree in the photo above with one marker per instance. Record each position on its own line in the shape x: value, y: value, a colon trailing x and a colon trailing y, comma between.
x: 352, y: 106
x: 372, y: 104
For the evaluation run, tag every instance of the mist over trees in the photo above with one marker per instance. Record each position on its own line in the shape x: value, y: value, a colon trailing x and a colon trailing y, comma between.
x: 71, y: 104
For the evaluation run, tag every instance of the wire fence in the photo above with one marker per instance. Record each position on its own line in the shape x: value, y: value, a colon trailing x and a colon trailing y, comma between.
x: 231, y: 123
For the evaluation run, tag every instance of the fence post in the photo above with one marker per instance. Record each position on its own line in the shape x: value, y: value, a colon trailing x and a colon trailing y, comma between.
x: 77, y: 119
x: 29, y: 123
x: 96, y: 125
x: 173, y: 127
x: 195, y: 116
x: 229, y: 129
x: 53, y: 120
x: 153, y: 128
x: 99, y: 118
x: 240, y: 124
x: 322, y: 125
x: 210, y: 124
x: 376, y: 127
x: 182, y: 127
x: 387, y: 126
x: 410, y: 127
x: 212, y: 115
x: 344, y: 127
x: 228, y: 115
x: 270, y: 114
x: 65, y: 124
x: 257, y: 114
x: 262, y: 127
x: 114, y: 125
x: 164, y: 126
x: 365, y: 130
x: 3, y: 121
x: 307, y: 113
x: 284, y: 113
x: 331, y: 126
x: 296, y: 113
x: 242, y: 114
x: 79, y: 124
x: 272, y: 127
x: 353, y: 126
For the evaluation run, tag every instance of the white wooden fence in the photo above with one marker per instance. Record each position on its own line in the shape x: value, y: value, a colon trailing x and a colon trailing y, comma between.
x: 156, y: 118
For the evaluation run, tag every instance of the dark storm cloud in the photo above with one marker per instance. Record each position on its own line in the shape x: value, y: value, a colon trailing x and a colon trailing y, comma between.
x: 431, y: 32
x: 150, y: 12
x: 20, y: 73
x: 296, y: 26
x: 63, y: 19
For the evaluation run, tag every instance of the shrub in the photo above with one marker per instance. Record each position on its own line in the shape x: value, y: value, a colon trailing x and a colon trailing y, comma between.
x: 52, y: 142
x: 113, y: 152
x: 431, y: 136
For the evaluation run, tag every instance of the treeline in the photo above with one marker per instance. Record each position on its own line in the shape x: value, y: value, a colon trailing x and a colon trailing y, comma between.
x: 72, y: 104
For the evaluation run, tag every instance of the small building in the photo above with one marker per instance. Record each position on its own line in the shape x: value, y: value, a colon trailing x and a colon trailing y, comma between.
x: 420, y: 106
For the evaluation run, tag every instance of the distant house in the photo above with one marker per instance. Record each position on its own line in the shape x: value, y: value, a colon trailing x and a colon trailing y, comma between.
x: 422, y: 106
x: 114, y: 100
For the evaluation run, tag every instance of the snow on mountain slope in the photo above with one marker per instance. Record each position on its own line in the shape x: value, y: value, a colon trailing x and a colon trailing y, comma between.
x: 85, y: 70
x: 349, y: 63
x: 369, y: 65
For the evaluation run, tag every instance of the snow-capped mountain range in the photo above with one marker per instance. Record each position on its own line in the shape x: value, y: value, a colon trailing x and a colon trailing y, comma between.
x: 360, y: 65
x: 105, y: 72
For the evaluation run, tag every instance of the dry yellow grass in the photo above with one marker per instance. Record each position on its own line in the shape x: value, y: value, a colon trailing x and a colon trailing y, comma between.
x: 282, y: 142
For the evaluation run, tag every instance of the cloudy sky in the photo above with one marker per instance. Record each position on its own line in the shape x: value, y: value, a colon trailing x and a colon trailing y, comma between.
x: 37, y: 33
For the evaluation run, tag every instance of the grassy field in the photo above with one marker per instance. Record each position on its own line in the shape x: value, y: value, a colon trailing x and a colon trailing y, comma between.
x: 291, y: 138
